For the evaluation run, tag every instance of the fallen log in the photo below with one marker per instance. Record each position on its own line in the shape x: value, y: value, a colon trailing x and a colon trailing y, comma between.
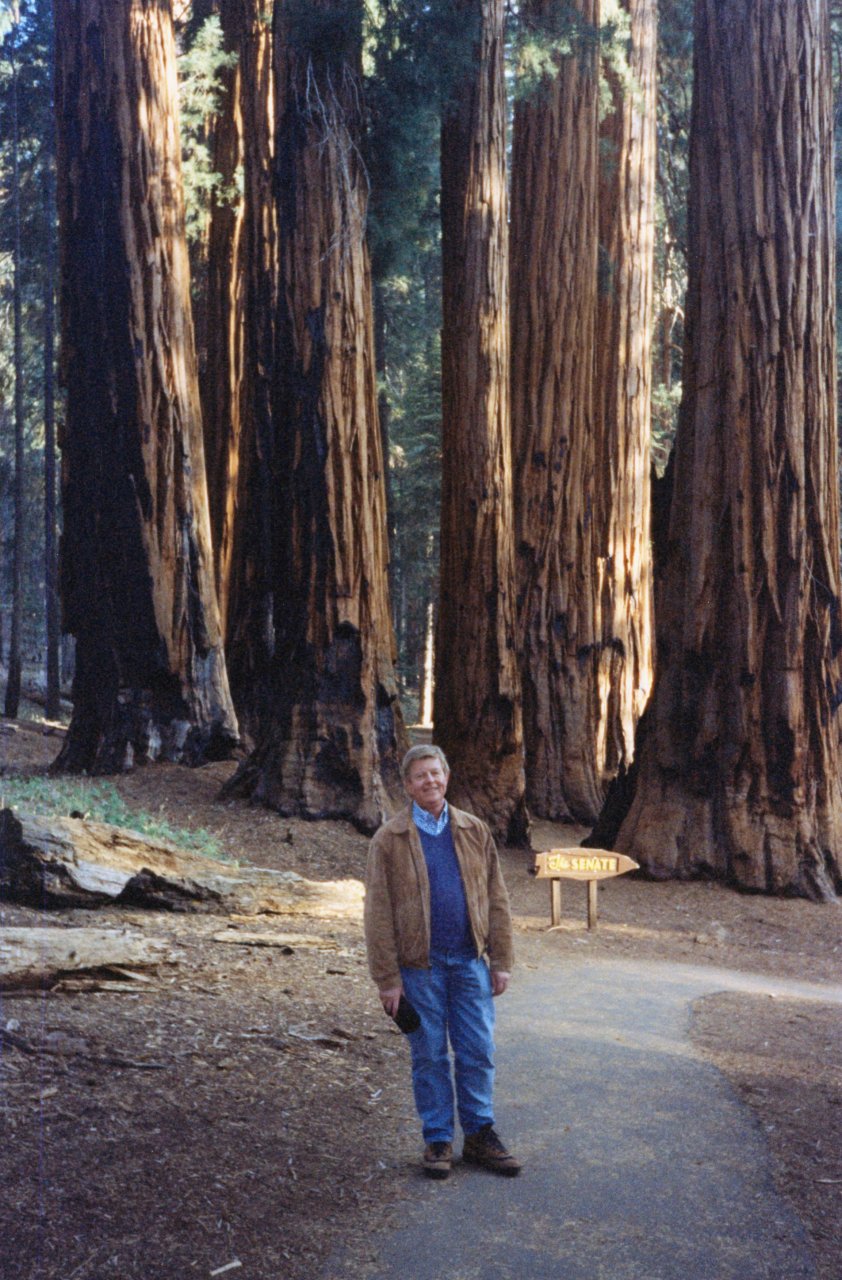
x: 41, y: 957
x: 73, y: 862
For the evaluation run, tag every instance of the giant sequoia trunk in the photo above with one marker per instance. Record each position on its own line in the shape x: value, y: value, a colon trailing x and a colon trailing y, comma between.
x: 244, y: 553
x: 477, y: 705
x: 623, y: 356
x: 739, y: 773
x: 137, y: 574
x: 330, y: 737
x: 554, y: 287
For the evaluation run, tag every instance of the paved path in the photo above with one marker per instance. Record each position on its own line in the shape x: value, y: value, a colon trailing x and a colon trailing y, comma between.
x: 640, y: 1161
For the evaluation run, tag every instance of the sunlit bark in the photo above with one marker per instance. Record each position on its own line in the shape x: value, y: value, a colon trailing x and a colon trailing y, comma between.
x: 330, y: 734
x: 739, y: 773
x: 623, y: 355
x: 554, y: 296
x: 477, y: 704
x: 136, y: 572
x: 250, y: 625
x: 225, y: 317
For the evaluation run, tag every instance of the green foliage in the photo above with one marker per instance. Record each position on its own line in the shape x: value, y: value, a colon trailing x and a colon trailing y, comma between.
x: 8, y: 17
x: 425, y: 46
x: 326, y: 33
x: 101, y: 802
x: 615, y: 48
x: 416, y: 54
x: 201, y: 68
x: 665, y: 405
x: 540, y: 41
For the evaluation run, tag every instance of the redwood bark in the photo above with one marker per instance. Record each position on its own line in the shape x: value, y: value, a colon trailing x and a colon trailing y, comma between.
x: 222, y: 383
x: 477, y: 702
x: 247, y: 536
x: 623, y: 383
x: 739, y: 771
x: 137, y: 573
x: 330, y: 739
x: 554, y: 295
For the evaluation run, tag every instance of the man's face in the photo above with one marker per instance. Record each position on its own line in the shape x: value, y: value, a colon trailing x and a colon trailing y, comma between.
x: 426, y: 783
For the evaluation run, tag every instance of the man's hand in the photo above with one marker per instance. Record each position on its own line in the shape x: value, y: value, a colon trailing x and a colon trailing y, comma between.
x: 390, y: 999
x: 499, y: 982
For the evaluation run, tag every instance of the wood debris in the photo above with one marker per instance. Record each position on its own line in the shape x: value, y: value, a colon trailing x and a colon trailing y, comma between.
x: 74, y: 862
x: 34, y: 957
x: 287, y: 942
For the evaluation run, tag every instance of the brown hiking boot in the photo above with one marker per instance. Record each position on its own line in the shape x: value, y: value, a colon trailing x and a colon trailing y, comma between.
x: 485, y: 1148
x: 438, y: 1157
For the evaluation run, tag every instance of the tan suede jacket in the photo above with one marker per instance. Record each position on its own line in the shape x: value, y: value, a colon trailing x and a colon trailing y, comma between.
x: 397, y: 897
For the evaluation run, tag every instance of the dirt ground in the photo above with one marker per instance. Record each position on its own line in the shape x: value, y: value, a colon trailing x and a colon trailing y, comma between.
x: 246, y: 1111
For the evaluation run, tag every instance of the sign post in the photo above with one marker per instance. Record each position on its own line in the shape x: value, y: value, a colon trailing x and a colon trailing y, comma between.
x: 590, y: 865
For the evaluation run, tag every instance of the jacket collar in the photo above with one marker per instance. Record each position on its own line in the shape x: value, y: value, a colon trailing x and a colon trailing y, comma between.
x: 402, y: 820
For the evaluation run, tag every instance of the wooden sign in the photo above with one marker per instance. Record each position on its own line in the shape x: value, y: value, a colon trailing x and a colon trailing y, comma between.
x: 590, y: 865
x: 582, y: 864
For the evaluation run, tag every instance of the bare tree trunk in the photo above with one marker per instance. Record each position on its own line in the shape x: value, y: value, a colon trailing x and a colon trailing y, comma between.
x: 13, y: 683
x: 330, y: 738
x: 554, y: 296
x: 739, y: 773
x: 249, y: 621
x: 623, y: 419
x: 137, y: 571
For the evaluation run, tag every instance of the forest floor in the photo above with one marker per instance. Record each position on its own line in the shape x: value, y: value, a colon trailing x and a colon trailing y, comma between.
x: 246, y: 1111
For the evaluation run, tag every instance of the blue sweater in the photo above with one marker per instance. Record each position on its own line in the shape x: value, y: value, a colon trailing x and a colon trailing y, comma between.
x: 450, y: 926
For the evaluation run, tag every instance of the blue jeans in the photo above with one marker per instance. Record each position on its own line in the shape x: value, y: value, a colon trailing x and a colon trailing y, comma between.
x: 453, y: 998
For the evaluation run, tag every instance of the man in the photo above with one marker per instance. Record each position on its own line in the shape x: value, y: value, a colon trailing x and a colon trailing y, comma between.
x: 435, y: 906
